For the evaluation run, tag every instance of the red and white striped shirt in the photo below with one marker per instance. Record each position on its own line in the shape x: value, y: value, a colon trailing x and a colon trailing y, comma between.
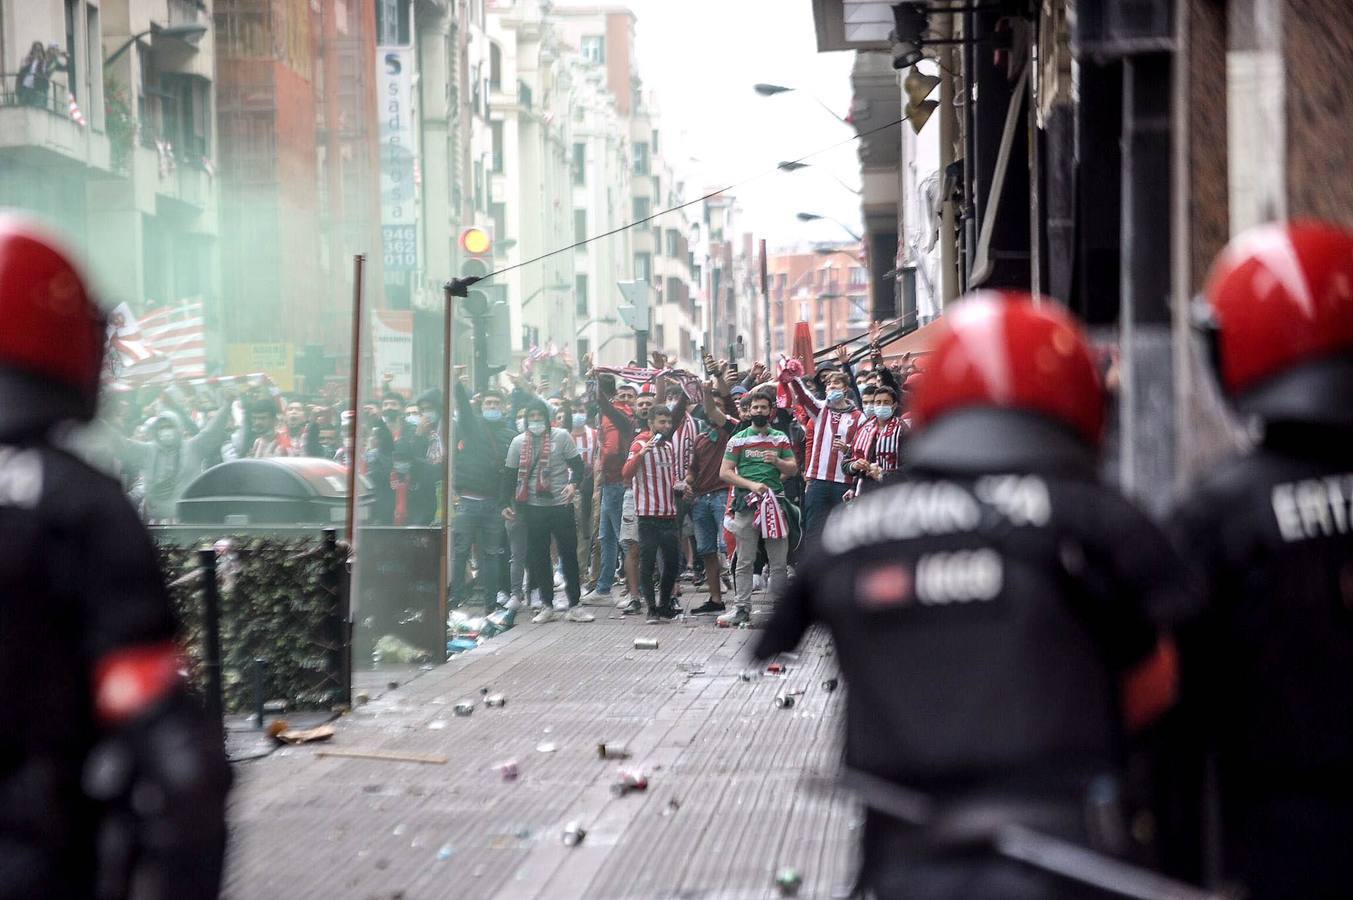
x: 683, y: 440
x: 654, y: 475
x: 824, y: 460
x: 586, y: 439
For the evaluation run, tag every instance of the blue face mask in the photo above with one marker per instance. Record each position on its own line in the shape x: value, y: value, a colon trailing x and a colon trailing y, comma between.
x: 868, y: 411
x: 535, y: 427
x: 579, y: 420
x: 883, y: 413
x: 492, y: 415
x: 835, y: 395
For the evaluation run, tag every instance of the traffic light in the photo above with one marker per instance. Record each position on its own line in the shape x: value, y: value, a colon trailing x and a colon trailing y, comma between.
x: 475, y: 246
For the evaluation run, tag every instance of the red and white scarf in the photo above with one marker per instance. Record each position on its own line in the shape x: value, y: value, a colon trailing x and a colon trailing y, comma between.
x: 528, y: 459
x: 769, y: 516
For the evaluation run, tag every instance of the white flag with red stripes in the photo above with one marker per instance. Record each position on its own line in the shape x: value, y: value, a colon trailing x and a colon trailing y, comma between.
x: 179, y: 332
x: 73, y: 109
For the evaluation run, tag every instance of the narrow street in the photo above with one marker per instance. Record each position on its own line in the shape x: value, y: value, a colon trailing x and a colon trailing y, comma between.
x: 733, y: 792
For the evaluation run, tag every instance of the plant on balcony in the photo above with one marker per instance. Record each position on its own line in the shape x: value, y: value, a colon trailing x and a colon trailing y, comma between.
x: 119, y: 122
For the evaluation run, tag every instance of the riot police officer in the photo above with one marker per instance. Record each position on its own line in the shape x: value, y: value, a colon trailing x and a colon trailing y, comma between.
x: 1268, y: 667
x: 994, y: 614
x: 112, y: 780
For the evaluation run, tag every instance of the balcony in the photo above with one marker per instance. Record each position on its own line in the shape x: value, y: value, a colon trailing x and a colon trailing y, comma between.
x: 36, y: 127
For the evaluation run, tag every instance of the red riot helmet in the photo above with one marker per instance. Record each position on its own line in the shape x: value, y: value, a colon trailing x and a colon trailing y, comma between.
x: 1009, y: 383
x: 1279, y: 317
x: 52, y: 333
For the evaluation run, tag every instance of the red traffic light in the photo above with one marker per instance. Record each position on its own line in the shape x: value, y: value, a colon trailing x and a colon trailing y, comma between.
x: 476, y: 241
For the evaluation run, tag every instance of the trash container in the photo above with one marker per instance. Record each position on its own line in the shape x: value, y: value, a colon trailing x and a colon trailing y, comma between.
x: 281, y: 491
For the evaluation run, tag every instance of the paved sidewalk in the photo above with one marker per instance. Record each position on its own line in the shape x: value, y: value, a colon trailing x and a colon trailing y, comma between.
x: 731, y: 797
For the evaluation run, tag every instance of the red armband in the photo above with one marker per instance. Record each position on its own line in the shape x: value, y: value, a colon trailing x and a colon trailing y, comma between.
x: 130, y: 680
x: 1152, y: 686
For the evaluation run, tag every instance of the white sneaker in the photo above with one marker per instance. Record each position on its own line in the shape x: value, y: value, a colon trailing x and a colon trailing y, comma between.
x: 578, y: 614
x: 536, y: 601
x: 623, y: 602
x: 545, y: 615
x: 503, y: 601
x: 738, y: 615
x: 758, y: 582
x: 513, y: 604
x: 560, y: 604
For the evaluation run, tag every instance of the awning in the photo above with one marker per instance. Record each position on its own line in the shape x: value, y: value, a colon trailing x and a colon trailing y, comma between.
x: 917, y: 343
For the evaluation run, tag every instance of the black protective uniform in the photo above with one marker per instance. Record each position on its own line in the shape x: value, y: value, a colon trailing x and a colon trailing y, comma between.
x: 1268, y: 667
x: 983, y: 623
x: 79, y: 580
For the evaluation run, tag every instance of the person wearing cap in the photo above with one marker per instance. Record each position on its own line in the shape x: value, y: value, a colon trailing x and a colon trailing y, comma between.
x: 1267, y: 710
x: 996, y: 613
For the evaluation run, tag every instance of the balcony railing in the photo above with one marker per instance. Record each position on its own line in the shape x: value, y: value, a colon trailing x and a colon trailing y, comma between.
x: 41, y: 94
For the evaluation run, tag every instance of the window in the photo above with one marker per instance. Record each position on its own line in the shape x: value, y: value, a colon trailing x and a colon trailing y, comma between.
x: 859, y: 275
x: 654, y: 141
x: 495, y: 67
x: 579, y: 225
x: 643, y: 207
x: 584, y: 347
x: 496, y: 129
x: 580, y: 164
x: 660, y: 336
x: 643, y: 266
x: 498, y: 212
x: 674, y: 292
x: 580, y: 293
x: 594, y: 48
x: 641, y: 158
x: 673, y: 238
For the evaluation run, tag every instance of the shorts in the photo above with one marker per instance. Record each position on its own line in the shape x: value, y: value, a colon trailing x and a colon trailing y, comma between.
x: 707, y: 513
x: 629, y: 520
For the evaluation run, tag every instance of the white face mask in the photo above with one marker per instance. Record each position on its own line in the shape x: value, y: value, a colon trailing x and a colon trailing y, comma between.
x: 883, y: 413
x: 535, y: 427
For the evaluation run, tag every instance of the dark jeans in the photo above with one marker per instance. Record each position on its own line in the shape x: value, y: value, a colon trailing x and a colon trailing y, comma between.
x: 819, y: 500
x: 542, y: 524
x: 658, y: 536
x: 478, y: 523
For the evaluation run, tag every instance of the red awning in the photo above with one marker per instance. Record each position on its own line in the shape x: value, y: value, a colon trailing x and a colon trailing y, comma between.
x: 917, y: 343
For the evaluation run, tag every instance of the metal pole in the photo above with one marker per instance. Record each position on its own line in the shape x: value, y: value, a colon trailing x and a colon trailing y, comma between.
x: 358, y: 265
x: 948, y: 251
x: 340, y: 644
x: 765, y: 298
x: 211, y: 633
x: 449, y: 379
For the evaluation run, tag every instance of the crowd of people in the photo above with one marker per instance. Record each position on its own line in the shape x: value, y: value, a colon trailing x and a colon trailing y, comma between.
x: 619, y: 484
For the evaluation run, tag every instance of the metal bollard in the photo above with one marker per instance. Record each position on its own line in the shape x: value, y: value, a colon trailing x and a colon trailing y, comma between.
x: 211, y: 633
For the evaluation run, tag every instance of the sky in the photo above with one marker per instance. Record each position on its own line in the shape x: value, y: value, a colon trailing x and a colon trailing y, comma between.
x: 700, y: 58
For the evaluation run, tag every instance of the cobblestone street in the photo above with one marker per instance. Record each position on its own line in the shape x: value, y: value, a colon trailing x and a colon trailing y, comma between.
x: 732, y: 794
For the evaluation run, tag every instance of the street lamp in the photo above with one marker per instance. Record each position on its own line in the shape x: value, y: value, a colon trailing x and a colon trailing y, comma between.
x: 189, y: 34
x: 542, y: 289
x: 794, y: 166
x: 770, y: 90
x: 813, y: 217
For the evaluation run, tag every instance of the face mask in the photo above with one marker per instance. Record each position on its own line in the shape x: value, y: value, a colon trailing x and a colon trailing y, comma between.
x: 492, y: 415
x: 868, y: 412
x: 834, y: 395
x: 411, y: 421
x: 579, y: 420
x: 760, y: 420
x: 883, y: 413
x: 672, y: 404
x: 535, y: 427
x: 431, y: 417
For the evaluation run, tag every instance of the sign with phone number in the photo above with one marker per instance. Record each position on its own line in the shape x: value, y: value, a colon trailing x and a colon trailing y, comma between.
x: 400, y: 245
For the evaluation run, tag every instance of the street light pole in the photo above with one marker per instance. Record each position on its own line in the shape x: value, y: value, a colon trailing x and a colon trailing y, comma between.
x: 187, y: 33
x: 813, y: 217
x: 770, y: 90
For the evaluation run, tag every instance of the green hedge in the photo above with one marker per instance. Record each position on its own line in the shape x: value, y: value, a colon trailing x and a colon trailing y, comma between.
x: 275, y: 605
